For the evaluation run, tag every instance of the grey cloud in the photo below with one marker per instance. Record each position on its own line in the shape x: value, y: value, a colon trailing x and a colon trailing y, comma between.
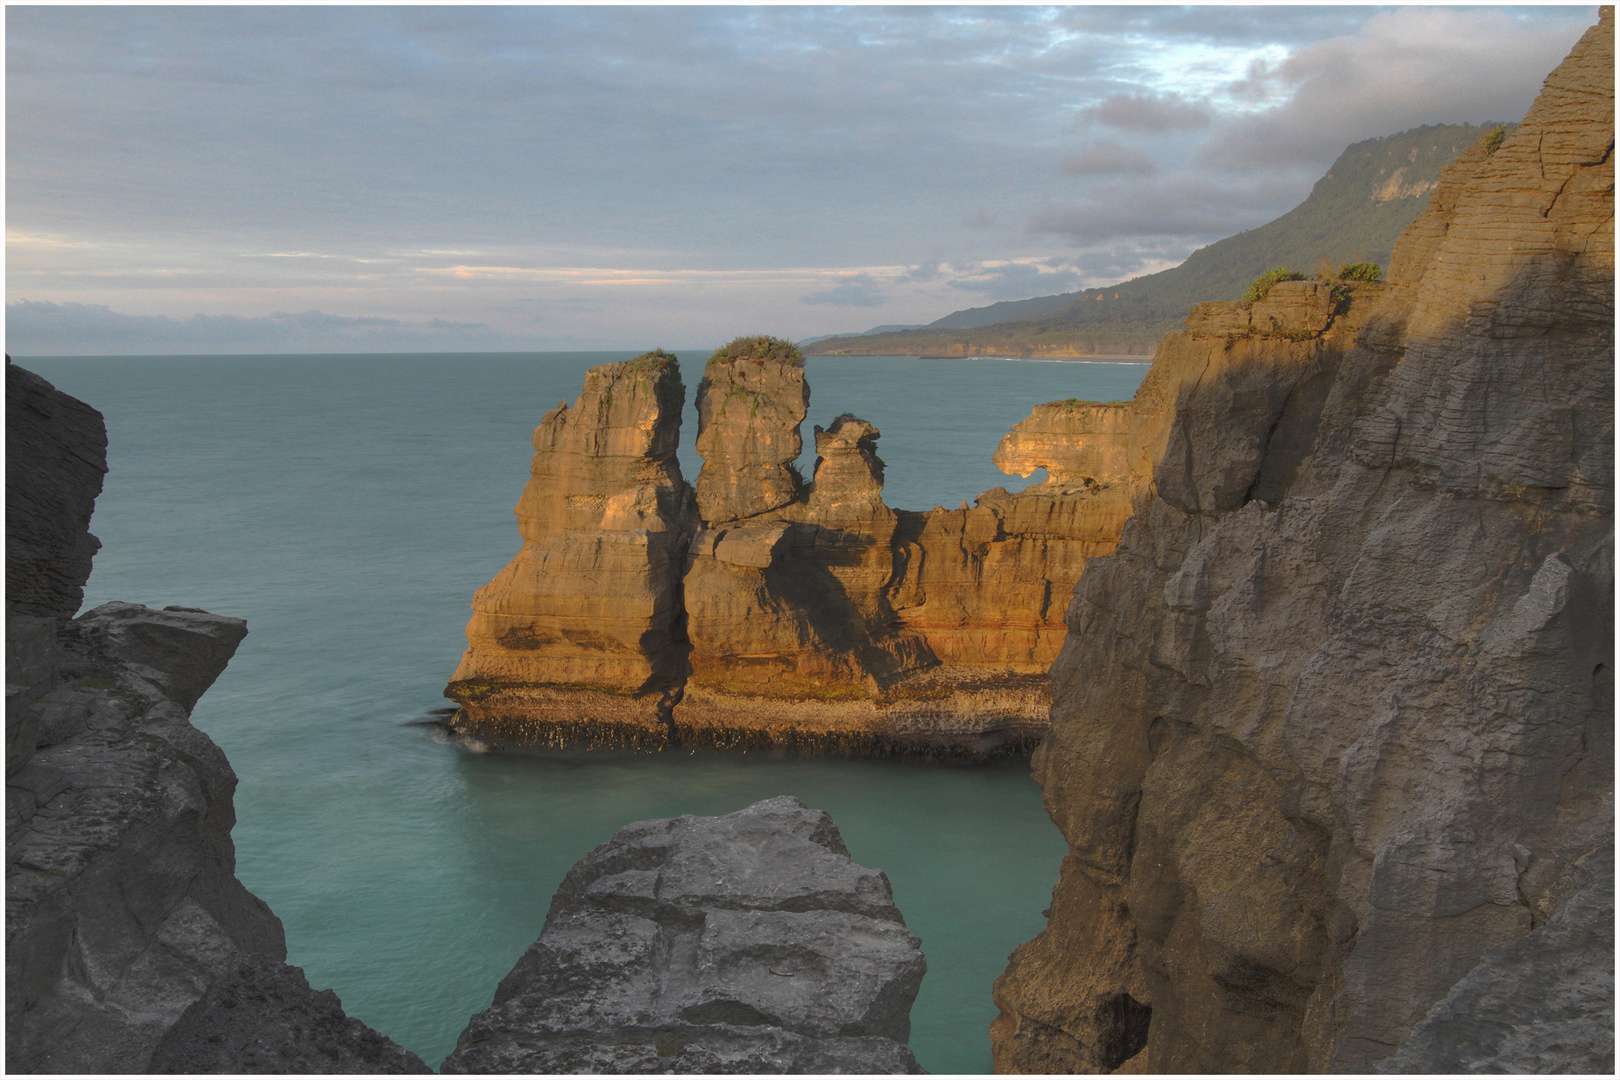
x: 1017, y: 281
x: 1148, y: 112
x: 922, y: 274
x: 1402, y: 69
x: 37, y: 328
x: 690, y: 138
x: 1185, y: 205
x: 1105, y: 158
x: 1221, y: 24
x: 859, y: 290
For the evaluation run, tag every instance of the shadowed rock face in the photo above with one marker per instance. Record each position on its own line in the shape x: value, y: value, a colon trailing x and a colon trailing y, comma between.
x: 56, y: 454
x: 263, y: 1017
x: 744, y: 943
x: 122, y: 903
x: 1333, y: 730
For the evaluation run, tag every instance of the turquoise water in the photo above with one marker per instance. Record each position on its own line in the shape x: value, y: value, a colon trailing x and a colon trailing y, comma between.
x: 347, y: 507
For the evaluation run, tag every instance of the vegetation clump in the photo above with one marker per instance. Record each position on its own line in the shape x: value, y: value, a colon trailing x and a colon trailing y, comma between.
x: 657, y: 360
x: 759, y: 349
x: 1260, y: 286
x: 1361, y: 271
x: 1492, y: 142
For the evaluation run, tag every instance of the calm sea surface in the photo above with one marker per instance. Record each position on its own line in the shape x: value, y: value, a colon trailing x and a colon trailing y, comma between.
x: 347, y: 507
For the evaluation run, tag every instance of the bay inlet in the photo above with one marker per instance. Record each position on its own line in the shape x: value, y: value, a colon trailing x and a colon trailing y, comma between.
x: 347, y: 507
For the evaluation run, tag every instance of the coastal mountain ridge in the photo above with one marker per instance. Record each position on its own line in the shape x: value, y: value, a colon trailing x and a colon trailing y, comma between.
x: 1354, y: 213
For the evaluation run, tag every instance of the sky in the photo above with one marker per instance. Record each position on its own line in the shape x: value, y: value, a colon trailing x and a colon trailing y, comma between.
x: 334, y: 179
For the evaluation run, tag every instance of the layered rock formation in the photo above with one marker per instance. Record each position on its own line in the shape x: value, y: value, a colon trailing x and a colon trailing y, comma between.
x: 1332, y: 739
x: 580, y: 634
x: 809, y: 617
x: 122, y: 904
x: 744, y: 943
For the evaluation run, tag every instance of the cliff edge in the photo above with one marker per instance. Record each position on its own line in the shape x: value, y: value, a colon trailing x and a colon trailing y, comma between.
x: 1332, y: 731
x: 122, y: 904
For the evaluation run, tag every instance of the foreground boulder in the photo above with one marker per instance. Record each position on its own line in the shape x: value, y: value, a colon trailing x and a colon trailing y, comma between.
x: 122, y: 903
x: 1332, y: 733
x: 746, y: 943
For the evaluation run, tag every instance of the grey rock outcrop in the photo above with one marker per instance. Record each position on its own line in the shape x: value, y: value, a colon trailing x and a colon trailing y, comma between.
x: 744, y: 943
x: 56, y: 455
x: 1332, y: 732
x: 122, y: 903
x: 263, y: 1017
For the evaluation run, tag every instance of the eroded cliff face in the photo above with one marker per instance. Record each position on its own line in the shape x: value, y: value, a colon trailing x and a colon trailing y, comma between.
x: 580, y: 633
x: 122, y: 903
x: 768, y: 612
x: 1332, y: 739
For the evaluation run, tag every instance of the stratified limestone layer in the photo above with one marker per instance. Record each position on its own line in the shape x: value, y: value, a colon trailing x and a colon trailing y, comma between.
x: 1333, y: 730
x: 751, y: 401
x: 748, y: 943
x: 587, y: 613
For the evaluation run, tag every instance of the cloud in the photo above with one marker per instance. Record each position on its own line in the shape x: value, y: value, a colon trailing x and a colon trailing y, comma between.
x: 1105, y: 158
x: 859, y: 290
x: 923, y: 273
x: 1148, y: 112
x: 42, y: 328
x: 1184, y: 205
x: 1017, y: 281
x: 1402, y: 69
x: 154, y: 144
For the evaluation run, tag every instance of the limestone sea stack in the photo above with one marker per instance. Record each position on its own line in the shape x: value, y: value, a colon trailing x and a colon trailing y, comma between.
x: 786, y: 602
x: 765, y: 611
x: 748, y: 943
x: 580, y: 636
x: 1332, y: 731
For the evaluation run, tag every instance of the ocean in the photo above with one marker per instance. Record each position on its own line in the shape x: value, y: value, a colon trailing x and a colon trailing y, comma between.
x: 347, y: 507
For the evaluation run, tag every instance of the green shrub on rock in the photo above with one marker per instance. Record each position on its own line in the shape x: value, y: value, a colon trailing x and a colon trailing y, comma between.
x: 759, y: 348
x: 657, y: 360
x: 1362, y: 271
x: 1260, y: 286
